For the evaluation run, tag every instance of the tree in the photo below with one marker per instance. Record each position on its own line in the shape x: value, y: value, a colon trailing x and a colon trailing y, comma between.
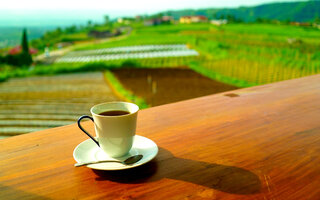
x: 107, y: 22
x: 24, y: 42
x: 25, y: 57
x: 317, y: 19
x: 106, y: 19
x: 2, y: 59
x: 231, y: 18
x: 215, y: 16
x: 89, y: 23
x: 73, y: 28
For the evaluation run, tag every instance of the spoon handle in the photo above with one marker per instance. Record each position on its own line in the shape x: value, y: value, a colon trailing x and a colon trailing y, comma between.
x: 95, y: 162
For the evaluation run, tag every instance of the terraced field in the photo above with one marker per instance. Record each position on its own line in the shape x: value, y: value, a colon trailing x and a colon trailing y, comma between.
x: 36, y: 103
x: 162, y: 86
x: 128, y: 52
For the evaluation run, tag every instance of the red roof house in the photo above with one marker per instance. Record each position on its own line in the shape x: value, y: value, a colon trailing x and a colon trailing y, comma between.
x: 17, y: 49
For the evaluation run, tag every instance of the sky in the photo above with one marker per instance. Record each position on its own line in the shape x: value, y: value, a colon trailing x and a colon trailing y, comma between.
x: 129, y: 5
x: 37, y: 12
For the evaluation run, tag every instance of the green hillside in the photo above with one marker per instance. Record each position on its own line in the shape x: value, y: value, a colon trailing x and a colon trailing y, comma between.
x: 294, y: 11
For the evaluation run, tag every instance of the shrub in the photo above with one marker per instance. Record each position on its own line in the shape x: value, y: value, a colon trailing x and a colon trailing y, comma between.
x: 22, y: 59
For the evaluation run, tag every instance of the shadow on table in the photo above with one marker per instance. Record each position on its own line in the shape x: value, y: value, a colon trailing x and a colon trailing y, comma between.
x: 225, y: 178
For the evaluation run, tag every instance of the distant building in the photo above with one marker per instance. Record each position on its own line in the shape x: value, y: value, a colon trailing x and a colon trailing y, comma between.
x: 138, y: 18
x: 193, y: 19
x: 185, y: 20
x: 152, y: 22
x: 304, y: 24
x: 18, y: 49
x: 219, y: 22
x: 158, y: 21
x: 167, y: 19
x: 125, y: 20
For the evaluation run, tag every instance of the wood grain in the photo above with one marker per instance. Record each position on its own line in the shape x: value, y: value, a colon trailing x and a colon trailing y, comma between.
x: 255, y: 143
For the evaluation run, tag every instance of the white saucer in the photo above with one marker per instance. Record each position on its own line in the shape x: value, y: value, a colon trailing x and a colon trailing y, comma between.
x: 88, y: 151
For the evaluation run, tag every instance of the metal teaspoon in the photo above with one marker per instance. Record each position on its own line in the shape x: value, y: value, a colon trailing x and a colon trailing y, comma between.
x: 129, y: 161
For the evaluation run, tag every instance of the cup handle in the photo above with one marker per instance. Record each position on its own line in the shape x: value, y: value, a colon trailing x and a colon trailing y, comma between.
x: 90, y: 136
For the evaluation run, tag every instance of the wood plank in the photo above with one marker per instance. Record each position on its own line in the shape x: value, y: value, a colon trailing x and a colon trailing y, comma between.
x: 255, y: 143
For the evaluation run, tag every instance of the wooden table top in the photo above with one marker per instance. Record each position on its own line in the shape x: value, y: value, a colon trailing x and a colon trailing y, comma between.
x: 255, y: 143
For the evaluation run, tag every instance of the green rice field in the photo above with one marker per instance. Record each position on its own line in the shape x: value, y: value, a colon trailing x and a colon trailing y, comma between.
x: 239, y: 54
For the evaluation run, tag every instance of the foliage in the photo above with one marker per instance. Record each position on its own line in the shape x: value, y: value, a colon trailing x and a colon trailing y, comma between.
x: 259, y: 53
x: 2, y: 60
x: 130, y: 63
x: 24, y: 42
x: 10, y: 71
x: 22, y: 59
x: 82, y: 36
x: 141, y: 38
x: 68, y: 34
x: 215, y: 75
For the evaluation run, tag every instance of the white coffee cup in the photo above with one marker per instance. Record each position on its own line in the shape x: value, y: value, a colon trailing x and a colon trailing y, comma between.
x: 115, y: 130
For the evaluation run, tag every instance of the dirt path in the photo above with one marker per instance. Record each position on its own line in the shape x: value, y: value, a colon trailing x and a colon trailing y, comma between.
x: 36, y: 103
x: 162, y: 86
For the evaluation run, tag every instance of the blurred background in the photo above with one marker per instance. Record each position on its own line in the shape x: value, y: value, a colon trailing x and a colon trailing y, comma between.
x: 59, y: 58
